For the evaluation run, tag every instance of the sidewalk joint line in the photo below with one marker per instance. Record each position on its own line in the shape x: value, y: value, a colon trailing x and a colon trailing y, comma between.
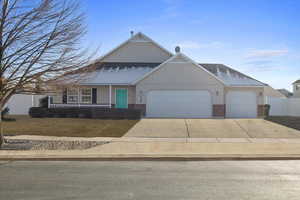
x: 187, y: 130
x: 247, y: 133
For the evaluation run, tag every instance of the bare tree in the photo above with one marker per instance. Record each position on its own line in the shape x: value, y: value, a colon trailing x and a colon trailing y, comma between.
x: 39, y: 41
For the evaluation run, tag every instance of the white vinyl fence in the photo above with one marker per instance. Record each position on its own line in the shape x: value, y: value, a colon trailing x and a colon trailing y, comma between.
x: 284, y: 106
x: 19, y: 104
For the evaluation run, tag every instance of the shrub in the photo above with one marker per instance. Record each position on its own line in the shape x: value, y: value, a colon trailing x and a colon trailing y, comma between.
x: 267, y: 108
x: 90, y: 112
x: 5, y: 112
x: 44, y: 102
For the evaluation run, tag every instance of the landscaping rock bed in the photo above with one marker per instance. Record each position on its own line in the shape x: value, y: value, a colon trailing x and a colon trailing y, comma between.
x: 49, y: 145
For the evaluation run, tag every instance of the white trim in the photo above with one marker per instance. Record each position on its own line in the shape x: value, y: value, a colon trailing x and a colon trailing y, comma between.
x: 116, y: 96
x: 245, y: 86
x: 129, y: 40
x: 73, y: 95
x: 101, y: 84
x: 169, y: 61
x: 49, y: 101
x: 80, y: 95
x: 59, y: 105
x: 110, y: 96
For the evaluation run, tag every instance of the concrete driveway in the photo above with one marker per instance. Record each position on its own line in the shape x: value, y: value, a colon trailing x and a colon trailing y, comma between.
x: 211, y: 128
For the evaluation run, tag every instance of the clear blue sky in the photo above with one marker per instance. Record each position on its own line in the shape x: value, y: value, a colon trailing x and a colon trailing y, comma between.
x: 258, y: 37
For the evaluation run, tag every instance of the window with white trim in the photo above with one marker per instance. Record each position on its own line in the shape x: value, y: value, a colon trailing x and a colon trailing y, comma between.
x: 72, y: 95
x: 86, y: 95
x: 297, y: 87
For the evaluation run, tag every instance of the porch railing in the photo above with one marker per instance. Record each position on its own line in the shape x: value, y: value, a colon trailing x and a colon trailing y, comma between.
x: 51, y: 105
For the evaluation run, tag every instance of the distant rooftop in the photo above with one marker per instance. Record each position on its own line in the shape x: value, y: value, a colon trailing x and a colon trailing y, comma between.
x: 298, y: 81
x: 285, y: 92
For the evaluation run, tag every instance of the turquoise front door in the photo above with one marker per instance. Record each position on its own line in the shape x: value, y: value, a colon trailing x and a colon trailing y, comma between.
x: 121, y: 98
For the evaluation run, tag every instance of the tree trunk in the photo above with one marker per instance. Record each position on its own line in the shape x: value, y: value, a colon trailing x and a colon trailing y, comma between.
x: 1, y: 131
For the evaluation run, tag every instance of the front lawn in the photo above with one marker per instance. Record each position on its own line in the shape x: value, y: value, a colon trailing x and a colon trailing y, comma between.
x: 24, y: 125
x: 292, y: 122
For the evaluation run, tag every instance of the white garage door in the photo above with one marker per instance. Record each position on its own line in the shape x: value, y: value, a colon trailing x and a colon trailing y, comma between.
x: 241, y: 105
x: 179, y: 104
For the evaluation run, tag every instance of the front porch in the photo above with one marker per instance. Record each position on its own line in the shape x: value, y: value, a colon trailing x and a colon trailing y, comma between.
x: 104, y: 96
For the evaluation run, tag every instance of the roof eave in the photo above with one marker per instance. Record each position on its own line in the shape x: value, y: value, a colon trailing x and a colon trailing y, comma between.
x: 228, y: 85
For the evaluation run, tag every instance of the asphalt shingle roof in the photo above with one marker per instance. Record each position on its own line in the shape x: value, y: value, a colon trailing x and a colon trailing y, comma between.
x: 118, y: 73
x: 127, y: 73
x: 230, y: 76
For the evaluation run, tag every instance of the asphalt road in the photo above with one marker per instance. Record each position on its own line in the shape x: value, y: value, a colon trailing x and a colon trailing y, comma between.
x: 232, y: 180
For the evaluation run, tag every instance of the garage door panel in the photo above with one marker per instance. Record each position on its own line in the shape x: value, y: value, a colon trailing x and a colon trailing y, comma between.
x: 241, y: 104
x: 179, y: 104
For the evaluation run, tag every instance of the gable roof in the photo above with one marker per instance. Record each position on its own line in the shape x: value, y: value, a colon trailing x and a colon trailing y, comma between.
x: 230, y: 76
x: 138, y: 36
x: 298, y: 81
x: 131, y: 73
x: 179, y: 55
x: 118, y: 73
x: 285, y: 92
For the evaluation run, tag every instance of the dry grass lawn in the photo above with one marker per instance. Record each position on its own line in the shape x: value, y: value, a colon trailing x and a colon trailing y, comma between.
x: 24, y: 125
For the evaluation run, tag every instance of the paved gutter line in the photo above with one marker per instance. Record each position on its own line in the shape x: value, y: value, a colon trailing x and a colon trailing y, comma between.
x: 6, y: 163
x: 247, y: 133
x: 187, y: 130
x: 229, y: 157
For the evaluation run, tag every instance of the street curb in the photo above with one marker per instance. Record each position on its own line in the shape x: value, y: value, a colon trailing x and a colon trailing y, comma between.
x: 154, y: 158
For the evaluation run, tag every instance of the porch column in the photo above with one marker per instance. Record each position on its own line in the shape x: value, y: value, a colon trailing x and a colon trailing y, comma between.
x: 49, y: 101
x: 110, y: 96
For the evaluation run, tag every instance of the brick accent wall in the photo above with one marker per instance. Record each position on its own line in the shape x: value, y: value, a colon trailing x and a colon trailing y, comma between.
x: 135, y: 106
x: 260, y: 110
x: 219, y: 110
x: 141, y: 107
x: 130, y: 106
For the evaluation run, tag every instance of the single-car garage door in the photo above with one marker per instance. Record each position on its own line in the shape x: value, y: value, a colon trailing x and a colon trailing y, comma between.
x: 179, y: 104
x: 241, y: 104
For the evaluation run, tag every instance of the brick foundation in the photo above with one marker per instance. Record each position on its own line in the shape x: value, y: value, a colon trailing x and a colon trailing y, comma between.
x: 134, y: 106
x: 219, y: 110
x: 141, y: 107
x: 260, y: 110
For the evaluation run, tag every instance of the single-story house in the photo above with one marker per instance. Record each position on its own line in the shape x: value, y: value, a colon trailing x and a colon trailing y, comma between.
x: 19, y: 104
x: 285, y: 92
x: 296, y: 89
x: 141, y: 74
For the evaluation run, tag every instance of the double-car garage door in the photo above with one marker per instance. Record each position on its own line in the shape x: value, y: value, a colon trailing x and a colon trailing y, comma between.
x: 179, y: 104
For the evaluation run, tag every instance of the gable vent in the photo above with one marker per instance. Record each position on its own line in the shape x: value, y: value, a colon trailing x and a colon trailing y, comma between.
x: 177, y: 49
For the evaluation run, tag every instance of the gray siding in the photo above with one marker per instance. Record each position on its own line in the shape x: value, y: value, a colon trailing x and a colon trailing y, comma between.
x: 138, y: 52
x: 180, y: 75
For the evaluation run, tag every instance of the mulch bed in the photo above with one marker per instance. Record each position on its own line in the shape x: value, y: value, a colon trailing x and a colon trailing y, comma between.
x: 292, y: 122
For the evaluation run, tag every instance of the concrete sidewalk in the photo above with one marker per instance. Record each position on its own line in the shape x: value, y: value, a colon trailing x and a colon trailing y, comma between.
x: 165, y: 150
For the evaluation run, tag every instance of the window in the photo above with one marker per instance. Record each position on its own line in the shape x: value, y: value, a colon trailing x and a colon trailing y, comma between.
x: 297, y: 87
x: 72, y: 95
x: 86, y: 95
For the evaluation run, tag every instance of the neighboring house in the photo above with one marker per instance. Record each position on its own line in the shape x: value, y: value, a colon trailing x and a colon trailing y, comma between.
x: 141, y: 74
x: 296, y: 89
x: 19, y: 104
x: 271, y: 92
x: 285, y: 92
